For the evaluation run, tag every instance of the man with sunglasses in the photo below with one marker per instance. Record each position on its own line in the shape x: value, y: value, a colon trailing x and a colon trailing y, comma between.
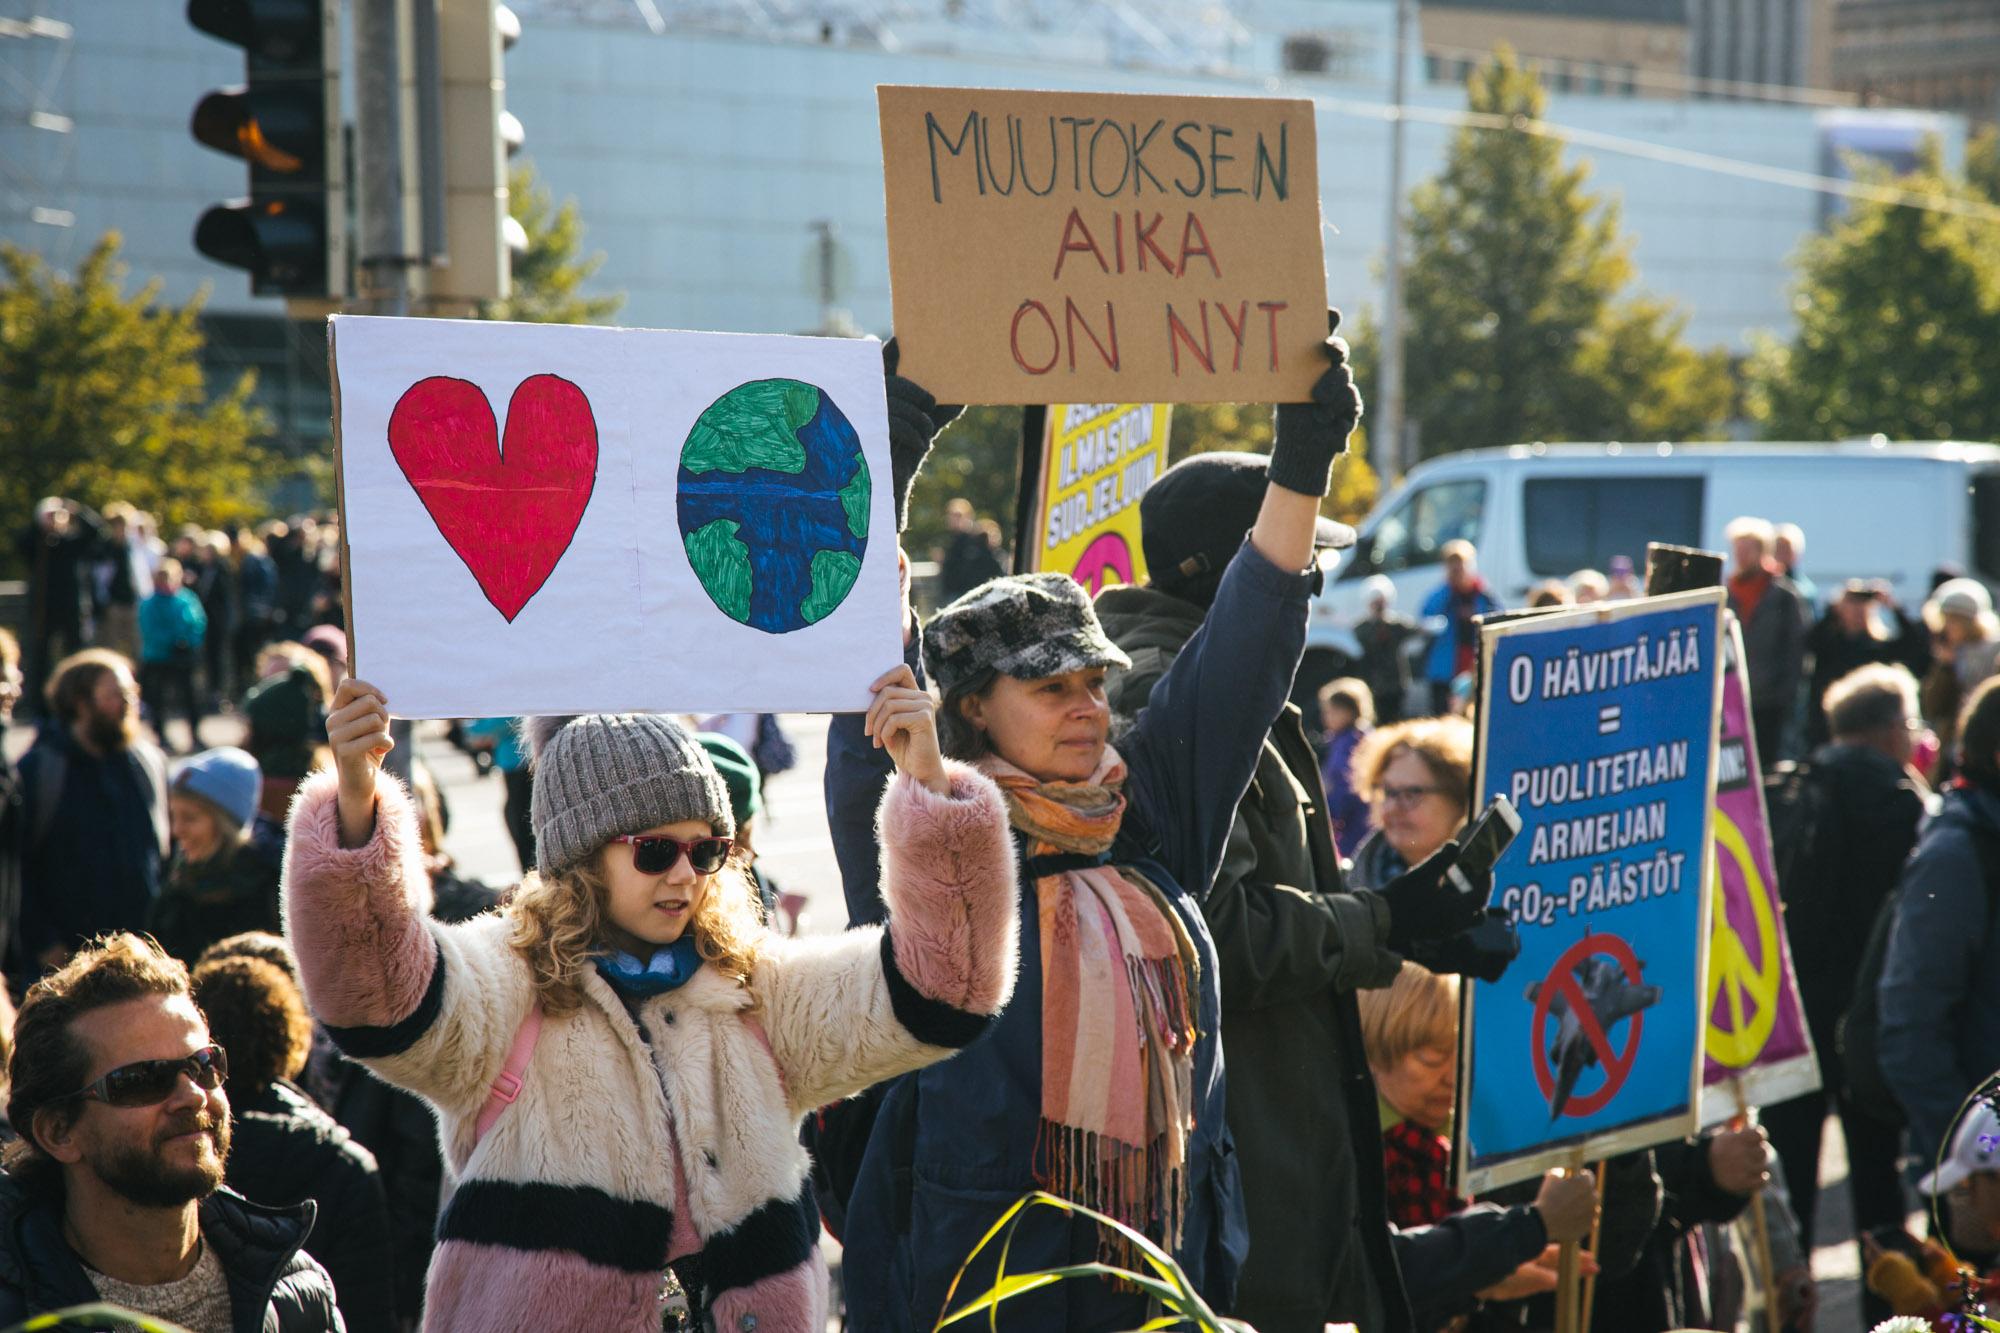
x: 114, y: 1191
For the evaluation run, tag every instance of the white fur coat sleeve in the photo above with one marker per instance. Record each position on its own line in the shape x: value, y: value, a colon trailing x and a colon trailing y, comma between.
x: 846, y: 1012
x: 431, y: 1008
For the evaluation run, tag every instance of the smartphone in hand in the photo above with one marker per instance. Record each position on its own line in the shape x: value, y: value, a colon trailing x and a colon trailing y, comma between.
x: 1483, y: 845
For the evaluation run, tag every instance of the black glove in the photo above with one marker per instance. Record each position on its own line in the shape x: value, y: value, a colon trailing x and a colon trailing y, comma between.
x: 1484, y: 951
x: 915, y: 418
x: 1425, y: 905
x: 1311, y: 435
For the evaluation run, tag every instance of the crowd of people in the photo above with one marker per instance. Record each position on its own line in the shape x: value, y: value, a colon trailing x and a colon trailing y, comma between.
x: 1124, y: 925
x: 192, y: 614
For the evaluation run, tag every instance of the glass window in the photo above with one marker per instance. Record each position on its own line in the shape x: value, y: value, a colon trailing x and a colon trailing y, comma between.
x: 1415, y: 531
x: 1581, y: 522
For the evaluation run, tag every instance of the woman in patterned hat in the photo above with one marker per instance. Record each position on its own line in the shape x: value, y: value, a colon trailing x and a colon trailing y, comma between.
x: 1102, y: 1082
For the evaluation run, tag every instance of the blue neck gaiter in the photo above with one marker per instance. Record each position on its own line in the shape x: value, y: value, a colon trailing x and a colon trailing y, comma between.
x: 670, y: 966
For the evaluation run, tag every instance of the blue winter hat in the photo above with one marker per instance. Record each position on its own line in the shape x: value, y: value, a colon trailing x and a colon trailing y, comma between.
x: 226, y: 777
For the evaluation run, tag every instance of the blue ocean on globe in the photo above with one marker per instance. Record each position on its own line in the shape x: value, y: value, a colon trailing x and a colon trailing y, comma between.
x: 773, y: 504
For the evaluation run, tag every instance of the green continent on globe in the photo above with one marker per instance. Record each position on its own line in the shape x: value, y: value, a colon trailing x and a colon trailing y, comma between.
x: 722, y: 562
x: 755, y: 426
x: 854, y: 498
x: 833, y: 573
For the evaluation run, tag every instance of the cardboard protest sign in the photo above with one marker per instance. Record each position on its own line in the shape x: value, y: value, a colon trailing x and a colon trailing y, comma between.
x: 1759, y: 1051
x: 1060, y: 246
x: 1097, y: 460
x: 545, y: 519
x: 1600, y: 727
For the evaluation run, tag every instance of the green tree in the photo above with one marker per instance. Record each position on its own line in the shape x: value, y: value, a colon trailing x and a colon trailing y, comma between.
x: 102, y: 397
x: 978, y: 457
x: 1898, y: 313
x: 1982, y: 162
x: 548, y: 279
x: 1514, y: 327
x: 1201, y: 428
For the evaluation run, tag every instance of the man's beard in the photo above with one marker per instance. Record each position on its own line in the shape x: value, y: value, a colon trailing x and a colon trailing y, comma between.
x: 112, y: 734
x: 140, y: 1176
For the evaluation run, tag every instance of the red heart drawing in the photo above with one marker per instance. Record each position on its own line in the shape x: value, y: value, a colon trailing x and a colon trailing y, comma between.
x: 509, y: 510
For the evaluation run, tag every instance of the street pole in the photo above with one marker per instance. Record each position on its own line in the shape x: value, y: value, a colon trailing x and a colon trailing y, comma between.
x: 1387, y: 437
x: 378, y: 151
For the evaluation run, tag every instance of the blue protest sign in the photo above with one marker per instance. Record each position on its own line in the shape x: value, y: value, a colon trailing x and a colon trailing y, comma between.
x: 1600, y: 727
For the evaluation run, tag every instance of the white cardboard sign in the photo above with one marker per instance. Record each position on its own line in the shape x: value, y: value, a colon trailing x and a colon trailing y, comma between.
x: 551, y: 519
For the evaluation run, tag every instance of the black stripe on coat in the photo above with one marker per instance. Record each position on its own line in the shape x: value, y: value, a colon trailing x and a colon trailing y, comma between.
x: 626, y: 1234
x: 930, y: 1021
x: 775, y: 1238
x: 366, y: 1043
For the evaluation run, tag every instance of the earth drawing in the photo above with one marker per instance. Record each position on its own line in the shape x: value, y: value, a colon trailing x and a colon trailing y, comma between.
x: 773, y: 504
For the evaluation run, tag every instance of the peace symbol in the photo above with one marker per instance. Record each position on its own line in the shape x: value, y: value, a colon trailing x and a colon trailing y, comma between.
x: 1752, y: 988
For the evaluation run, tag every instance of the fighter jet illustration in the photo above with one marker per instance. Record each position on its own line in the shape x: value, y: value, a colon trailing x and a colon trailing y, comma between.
x: 1612, y: 999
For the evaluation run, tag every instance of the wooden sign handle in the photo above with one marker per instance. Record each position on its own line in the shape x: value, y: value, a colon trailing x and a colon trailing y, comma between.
x: 1760, y: 1230
x: 1596, y: 1232
x: 1568, y: 1292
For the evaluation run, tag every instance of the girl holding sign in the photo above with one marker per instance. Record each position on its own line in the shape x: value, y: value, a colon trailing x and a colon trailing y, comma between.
x: 619, y: 1060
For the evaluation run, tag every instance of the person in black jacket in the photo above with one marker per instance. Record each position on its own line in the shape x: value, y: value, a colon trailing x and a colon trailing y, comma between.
x: 55, y: 553
x: 396, y: 1128
x: 1706, y: 1179
x: 1295, y: 947
x: 287, y: 1149
x: 95, y: 810
x: 223, y: 879
x: 1869, y: 805
x: 114, y: 1191
x: 13, y: 827
x: 1862, y: 626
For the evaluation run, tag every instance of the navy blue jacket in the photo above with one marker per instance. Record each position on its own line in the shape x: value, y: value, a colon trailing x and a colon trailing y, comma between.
x: 1940, y: 994
x: 92, y: 860
x: 954, y: 1144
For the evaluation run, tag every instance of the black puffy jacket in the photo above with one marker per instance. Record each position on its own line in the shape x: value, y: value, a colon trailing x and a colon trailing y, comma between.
x: 286, y: 1150
x: 274, y: 1287
x: 201, y: 902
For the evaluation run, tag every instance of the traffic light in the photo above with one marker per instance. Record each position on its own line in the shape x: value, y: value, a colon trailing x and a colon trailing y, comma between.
x: 480, y: 134
x: 284, y: 122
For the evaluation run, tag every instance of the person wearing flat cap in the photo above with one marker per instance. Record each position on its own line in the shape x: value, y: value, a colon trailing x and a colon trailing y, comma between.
x: 1293, y: 944
x: 1117, y: 843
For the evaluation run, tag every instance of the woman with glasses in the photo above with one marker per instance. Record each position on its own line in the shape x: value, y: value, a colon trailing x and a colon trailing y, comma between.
x: 620, y: 1058
x: 1103, y: 1081
x: 1416, y: 777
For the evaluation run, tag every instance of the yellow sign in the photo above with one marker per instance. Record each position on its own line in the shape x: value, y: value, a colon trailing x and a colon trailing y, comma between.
x: 1097, y: 460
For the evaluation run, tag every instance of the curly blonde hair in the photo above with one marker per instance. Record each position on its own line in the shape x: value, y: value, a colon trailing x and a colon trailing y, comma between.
x: 1444, y: 744
x: 560, y: 923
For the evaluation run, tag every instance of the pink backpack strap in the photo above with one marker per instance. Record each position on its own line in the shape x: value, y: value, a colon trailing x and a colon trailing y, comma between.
x: 513, y: 1075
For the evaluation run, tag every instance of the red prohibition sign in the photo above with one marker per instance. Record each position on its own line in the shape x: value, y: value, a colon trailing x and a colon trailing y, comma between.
x: 1563, y: 977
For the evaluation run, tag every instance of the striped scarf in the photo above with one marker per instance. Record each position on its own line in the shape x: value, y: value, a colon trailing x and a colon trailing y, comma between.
x: 1118, y: 1033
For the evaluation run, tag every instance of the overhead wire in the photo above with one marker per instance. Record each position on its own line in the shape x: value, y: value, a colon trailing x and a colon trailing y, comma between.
x: 1871, y: 191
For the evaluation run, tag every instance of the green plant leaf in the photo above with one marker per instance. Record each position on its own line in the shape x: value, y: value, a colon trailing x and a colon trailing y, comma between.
x: 1170, y: 1287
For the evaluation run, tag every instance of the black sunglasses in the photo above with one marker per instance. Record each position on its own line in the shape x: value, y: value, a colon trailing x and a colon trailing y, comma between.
x: 150, y: 1082
x: 653, y: 854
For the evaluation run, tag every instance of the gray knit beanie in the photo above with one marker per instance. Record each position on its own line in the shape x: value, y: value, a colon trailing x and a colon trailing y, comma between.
x: 607, y: 774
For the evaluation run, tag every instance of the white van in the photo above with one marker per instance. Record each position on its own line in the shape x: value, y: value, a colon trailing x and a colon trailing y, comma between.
x: 1870, y: 509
